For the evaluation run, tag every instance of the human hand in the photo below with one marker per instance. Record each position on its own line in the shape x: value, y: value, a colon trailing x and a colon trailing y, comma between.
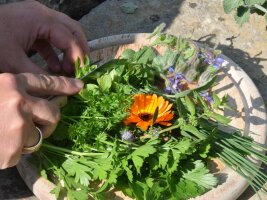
x: 22, y: 111
x: 30, y: 25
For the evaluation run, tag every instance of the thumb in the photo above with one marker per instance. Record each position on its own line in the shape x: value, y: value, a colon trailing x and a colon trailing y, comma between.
x: 49, y: 85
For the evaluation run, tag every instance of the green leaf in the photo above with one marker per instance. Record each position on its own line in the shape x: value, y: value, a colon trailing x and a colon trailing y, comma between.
x: 138, y: 189
x: 86, y: 61
x: 149, y: 182
x: 100, y: 173
x: 188, y: 53
x: 204, y: 149
x: 138, y: 162
x: 103, y: 69
x: 77, y: 63
x: 219, y: 118
x: 201, y: 101
x: 129, y: 172
x: 172, y: 163
x: 127, y: 54
x: 187, y: 189
x: 190, y: 105
x: 76, y: 195
x: 88, y: 90
x: 78, y: 170
x: 157, y: 30
x: 56, y: 191
x: 181, y: 108
x: 242, y: 15
x: 253, y: 2
x: 144, y: 55
x: 201, y: 176
x: 230, y: 5
x: 112, y: 179
x: 184, y: 145
x: 191, y: 129
x: 163, y: 159
x: 216, y: 101
x: 140, y: 154
x: 104, y: 82
x: 128, y: 7
x: 43, y: 173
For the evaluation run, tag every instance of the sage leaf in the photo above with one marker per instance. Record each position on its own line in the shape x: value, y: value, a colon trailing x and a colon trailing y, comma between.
x: 128, y: 8
x: 242, y: 15
x: 230, y: 5
x: 190, y: 105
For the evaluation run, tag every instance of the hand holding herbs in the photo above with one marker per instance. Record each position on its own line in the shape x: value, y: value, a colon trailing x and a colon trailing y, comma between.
x: 22, y: 110
x: 29, y: 25
x: 147, y: 125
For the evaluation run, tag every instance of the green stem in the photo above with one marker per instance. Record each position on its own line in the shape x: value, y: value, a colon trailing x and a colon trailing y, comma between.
x: 82, y: 117
x: 168, y: 129
x: 60, y: 149
x: 261, y: 8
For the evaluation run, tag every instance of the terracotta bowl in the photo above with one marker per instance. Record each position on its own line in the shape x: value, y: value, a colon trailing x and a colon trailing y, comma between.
x: 244, y: 97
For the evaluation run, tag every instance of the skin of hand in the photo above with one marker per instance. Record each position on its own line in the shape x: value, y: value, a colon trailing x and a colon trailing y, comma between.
x: 22, y: 110
x: 30, y: 25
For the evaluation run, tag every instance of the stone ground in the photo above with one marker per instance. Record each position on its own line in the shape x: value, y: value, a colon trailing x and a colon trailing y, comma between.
x: 202, y: 20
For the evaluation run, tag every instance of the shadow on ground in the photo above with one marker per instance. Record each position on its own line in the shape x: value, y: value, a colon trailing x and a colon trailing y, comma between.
x: 12, y: 186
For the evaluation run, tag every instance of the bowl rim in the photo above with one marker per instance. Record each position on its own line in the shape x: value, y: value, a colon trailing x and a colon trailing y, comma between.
x: 238, y: 184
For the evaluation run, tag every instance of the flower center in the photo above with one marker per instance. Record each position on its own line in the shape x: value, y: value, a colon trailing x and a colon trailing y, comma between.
x: 145, y: 116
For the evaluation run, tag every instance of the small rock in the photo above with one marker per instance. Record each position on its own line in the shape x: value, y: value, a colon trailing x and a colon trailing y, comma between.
x: 221, y: 19
x: 128, y: 8
x: 154, y: 18
x: 192, y: 5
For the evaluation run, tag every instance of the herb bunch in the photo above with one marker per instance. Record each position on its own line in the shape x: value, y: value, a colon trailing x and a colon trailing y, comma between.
x: 93, y: 152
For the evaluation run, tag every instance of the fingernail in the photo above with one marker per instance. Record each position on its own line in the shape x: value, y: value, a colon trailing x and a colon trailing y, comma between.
x: 77, y: 83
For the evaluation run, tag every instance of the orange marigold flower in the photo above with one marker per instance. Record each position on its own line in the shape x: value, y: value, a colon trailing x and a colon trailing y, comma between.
x: 143, y: 109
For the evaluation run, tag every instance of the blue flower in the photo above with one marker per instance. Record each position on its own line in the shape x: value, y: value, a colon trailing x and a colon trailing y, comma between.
x: 127, y: 136
x: 176, y: 83
x: 217, y: 62
x: 171, y: 79
x: 170, y: 69
x: 179, y: 76
x: 207, y: 97
x: 168, y: 90
x: 209, y: 58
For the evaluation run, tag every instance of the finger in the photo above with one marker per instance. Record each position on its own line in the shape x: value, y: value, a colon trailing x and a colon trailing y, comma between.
x: 18, y: 136
x: 76, y: 29
x: 48, y: 54
x: 49, y: 85
x: 62, y: 38
x: 44, y: 114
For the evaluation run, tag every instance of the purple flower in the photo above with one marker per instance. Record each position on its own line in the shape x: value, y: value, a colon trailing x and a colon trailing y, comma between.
x: 206, y: 96
x: 217, y: 62
x: 168, y: 90
x: 170, y: 69
x: 127, y: 136
x: 209, y: 58
x: 176, y: 83
x: 172, y: 80
x: 179, y: 76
